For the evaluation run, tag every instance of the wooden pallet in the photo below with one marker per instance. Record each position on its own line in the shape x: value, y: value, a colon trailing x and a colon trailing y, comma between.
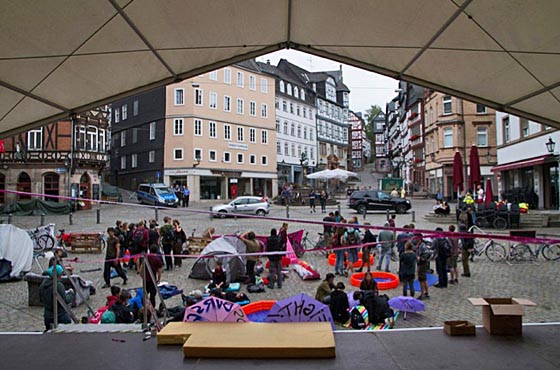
x: 86, y: 243
x: 197, y: 244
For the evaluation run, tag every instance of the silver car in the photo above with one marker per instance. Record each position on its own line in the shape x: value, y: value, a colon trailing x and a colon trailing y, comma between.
x: 251, y: 205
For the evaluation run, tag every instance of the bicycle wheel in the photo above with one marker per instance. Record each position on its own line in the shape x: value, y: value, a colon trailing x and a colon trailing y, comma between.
x: 551, y: 252
x: 495, y: 252
x: 521, y: 253
x: 321, y: 246
x: 481, y: 222
x: 500, y: 223
x: 46, y: 242
x: 298, y: 248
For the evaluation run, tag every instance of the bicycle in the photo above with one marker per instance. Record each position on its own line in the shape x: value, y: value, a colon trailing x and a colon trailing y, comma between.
x: 493, y: 250
x: 524, y: 252
x: 306, y: 243
x: 42, y: 240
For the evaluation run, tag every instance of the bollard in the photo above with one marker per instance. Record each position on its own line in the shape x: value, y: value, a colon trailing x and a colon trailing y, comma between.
x: 9, y: 218
x: 42, y: 219
x: 156, y: 214
x: 338, y: 208
x: 211, y: 216
x: 287, y: 211
x: 71, y: 218
x: 364, y: 212
x: 413, y: 216
x: 235, y: 211
x: 388, y: 216
x: 98, y: 211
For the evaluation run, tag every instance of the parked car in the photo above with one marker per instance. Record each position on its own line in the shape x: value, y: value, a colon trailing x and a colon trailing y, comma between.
x: 375, y: 200
x: 157, y: 194
x: 247, y: 204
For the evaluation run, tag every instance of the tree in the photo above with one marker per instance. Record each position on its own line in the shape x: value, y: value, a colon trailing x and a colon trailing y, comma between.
x: 371, y: 114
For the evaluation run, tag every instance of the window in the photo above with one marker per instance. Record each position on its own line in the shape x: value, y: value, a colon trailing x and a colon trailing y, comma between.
x: 102, y: 140
x: 178, y: 127
x: 299, y: 151
x: 240, y: 158
x: 227, y: 157
x: 227, y: 75
x: 304, y: 112
x: 134, y: 135
x: 285, y: 128
x: 264, y: 137
x: 447, y: 137
x: 178, y: 154
x: 252, y: 135
x: 239, y: 79
x: 227, y: 103
x: 240, y: 134
x: 35, y: 139
x: 278, y: 148
x: 213, y: 100
x: 117, y: 114
x: 253, y: 108
x: 152, y: 130
x: 299, y: 131
x: 284, y: 105
x: 447, y: 105
x: 134, y: 160
x: 123, y: 162
x: 212, y: 157
x: 124, y: 112
x: 282, y: 86
x: 292, y: 108
x: 482, y: 136
x: 212, y: 130
x: 286, y: 149
x: 298, y: 110
x: 197, y: 127
x: 179, y: 96
x: 252, y: 82
x: 524, y: 125
x: 480, y: 109
x: 293, y: 129
x: 293, y: 150
x: 264, y: 160
x: 305, y: 133
x: 302, y: 94
x: 505, y: 124
x: 431, y: 116
x: 239, y: 106
x: 197, y: 154
x: 152, y: 156
x: 198, y: 97
x: 296, y: 92
x: 264, y: 85
x: 264, y: 110
x: 289, y: 89
x: 227, y: 132
x: 278, y: 126
x: 252, y: 159
x: 123, y: 138
x: 213, y: 75
x: 135, y: 108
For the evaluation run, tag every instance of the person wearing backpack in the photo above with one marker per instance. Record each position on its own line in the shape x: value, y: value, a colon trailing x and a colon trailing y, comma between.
x: 368, y: 241
x: 443, y: 251
x: 423, y: 254
x: 180, y: 239
x: 350, y: 239
x: 167, y: 240
x: 452, y: 260
x: 339, y: 253
x: 339, y: 304
x: 275, y: 260
x: 141, y: 238
x: 386, y: 239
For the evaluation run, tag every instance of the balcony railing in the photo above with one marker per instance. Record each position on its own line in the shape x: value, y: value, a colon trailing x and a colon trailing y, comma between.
x: 52, y: 156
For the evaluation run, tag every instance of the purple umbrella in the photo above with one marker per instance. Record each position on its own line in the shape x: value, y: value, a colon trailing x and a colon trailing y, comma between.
x: 300, y: 308
x: 406, y: 304
x: 215, y: 310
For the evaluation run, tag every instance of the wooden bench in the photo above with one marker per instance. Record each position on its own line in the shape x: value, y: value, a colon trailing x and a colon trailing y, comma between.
x: 86, y: 243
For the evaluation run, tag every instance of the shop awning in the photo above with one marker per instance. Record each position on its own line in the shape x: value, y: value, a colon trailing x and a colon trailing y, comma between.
x: 521, y: 164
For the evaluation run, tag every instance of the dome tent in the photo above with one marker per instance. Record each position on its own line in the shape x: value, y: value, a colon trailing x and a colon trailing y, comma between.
x: 225, y: 249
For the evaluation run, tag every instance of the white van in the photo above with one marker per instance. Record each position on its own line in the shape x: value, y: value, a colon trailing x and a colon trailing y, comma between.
x: 157, y: 194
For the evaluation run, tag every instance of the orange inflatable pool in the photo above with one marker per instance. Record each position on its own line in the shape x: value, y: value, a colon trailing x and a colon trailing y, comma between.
x: 385, y: 280
x: 357, y: 264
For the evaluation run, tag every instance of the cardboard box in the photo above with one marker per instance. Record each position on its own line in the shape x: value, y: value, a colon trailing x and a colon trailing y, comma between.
x: 455, y: 328
x: 502, y: 316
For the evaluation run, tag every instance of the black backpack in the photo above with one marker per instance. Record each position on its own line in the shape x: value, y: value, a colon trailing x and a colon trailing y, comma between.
x: 356, y: 319
x: 167, y: 234
x: 138, y: 237
x: 378, y: 308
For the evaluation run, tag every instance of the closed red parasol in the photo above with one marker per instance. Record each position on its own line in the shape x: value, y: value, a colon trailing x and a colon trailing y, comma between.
x: 457, y: 173
x: 488, y: 195
x: 474, y: 163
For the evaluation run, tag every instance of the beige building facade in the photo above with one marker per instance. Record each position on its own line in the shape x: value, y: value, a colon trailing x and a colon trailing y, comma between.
x: 220, y: 134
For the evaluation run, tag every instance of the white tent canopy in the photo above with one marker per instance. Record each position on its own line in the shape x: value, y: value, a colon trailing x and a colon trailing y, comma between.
x: 63, y: 57
x: 332, y: 174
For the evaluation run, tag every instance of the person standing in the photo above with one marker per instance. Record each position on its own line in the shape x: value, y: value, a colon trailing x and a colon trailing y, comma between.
x: 351, y: 238
x: 452, y: 260
x: 178, y: 190
x: 328, y: 228
x: 407, y: 268
x: 423, y: 265
x: 111, y: 259
x: 275, y: 260
x: 368, y: 241
x: 479, y: 194
x: 167, y: 233
x: 338, y: 252
x: 394, y: 193
x: 186, y: 196
x: 323, y: 200
x: 466, y: 249
x: 46, y: 296
x: 386, y: 239
x: 403, y: 193
x: 283, y: 236
x: 141, y: 238
x: 312, y: 196
x: 443, y: 251
x: 156, y: 266
x: 252, y: 246
x: 180, y: 239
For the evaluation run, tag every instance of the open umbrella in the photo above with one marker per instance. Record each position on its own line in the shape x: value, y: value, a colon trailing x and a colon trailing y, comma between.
x: 474, y: 163
x: 406, y: 304
x: 332, y: 174
x: 488, y: 195
x: 300, y: 308
x: 458, y: 173
x: 215, y: 310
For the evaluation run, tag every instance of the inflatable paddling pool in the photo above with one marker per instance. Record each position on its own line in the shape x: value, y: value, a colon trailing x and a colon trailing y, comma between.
x: 357, y: 264
x: 257, y: 311
x: 385, y: 280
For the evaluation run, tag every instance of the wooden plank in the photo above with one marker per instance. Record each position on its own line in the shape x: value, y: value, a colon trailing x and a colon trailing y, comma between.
x: 251, y: 340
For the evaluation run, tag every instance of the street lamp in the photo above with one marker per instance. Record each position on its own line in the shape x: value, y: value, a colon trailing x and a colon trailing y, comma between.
x: 303, y: 161
x: 550, y: 144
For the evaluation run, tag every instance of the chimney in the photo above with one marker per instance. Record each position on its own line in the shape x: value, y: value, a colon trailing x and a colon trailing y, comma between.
x: 268, y: 61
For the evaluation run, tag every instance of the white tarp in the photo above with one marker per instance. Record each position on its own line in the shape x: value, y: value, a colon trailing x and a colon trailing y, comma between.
x: 62, y: 57
x: 337, y: 173
x: 17, y: 247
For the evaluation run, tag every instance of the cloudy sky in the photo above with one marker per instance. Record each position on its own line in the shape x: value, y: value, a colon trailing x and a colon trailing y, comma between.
x: 366, y: 88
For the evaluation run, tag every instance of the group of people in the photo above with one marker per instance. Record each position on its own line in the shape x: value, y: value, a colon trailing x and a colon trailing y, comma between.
x: 183, y: 193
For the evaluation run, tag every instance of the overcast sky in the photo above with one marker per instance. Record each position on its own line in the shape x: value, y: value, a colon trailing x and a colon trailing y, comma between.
x: 366, y: 88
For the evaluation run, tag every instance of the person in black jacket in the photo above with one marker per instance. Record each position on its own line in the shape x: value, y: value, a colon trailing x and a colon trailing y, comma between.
x: 121, y: 310
x: 275, y: 268
x: 407, y: 269
x: 443, y: 252
x: 339, y: 304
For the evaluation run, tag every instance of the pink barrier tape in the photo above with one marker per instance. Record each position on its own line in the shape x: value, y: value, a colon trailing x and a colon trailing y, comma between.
x: 425, y: 233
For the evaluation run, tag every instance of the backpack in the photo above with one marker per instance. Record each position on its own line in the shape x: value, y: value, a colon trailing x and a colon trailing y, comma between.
x: 356, y: 319
x: 447, y: 248
x: 464, y: 217
x: 352, y: 238
x: 256, y: 288
x: 167, y: 234
x: 138, y: 237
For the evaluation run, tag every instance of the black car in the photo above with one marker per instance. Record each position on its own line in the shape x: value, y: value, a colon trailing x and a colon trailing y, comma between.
x: 375, y: 200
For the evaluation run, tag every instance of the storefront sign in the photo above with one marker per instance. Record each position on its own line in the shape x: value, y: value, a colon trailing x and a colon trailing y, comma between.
x: 238, y: 146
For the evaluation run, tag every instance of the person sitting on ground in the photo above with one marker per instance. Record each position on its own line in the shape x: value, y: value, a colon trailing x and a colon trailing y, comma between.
x: 235, y: 297
x: 209, y: 233
x: 111, y: 299
x: 219, y: 277
x: 46, y: 296
x: 121, y: 309
x: 324, y: 289
x: 339, y: 305
x: 377, y: 307
x: 369, y: 284
x: 442, y: 208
